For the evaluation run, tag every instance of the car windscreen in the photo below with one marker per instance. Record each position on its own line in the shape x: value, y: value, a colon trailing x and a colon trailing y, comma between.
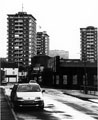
x: 28, y: 88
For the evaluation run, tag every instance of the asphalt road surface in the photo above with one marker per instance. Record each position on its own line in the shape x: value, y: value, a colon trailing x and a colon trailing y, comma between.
x: 59, y: 106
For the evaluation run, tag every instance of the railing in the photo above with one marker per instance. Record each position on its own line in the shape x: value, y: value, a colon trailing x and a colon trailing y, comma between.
x: 92, y: 90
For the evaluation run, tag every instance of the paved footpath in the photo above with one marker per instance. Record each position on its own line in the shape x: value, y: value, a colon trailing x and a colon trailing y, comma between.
x: 81, y: 95
x: 75, y: 93
x: 6, y: 113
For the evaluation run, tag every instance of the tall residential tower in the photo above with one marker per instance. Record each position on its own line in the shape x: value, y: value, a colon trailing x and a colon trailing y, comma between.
x: 21, y: 38
x: 42, y: 43
x: 89, y: 43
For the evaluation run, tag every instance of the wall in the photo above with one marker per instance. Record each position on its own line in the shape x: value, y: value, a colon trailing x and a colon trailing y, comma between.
x: 11, y: 74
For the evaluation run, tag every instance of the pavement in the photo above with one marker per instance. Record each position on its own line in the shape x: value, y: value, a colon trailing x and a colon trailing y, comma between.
x: 77, y: 93
x: 81, y: 95
x: 7, y: 111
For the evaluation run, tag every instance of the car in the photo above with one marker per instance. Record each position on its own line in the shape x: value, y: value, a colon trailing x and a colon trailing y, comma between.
x: 32, y: 81
x: 27, y: 95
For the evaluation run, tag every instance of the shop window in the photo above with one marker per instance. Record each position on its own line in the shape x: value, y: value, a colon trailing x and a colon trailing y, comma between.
x: 83, y: 79
x: 75, y: 80
x: 57, y: 79
x: 95, y: 79
x: 53, y: 79
x: 65, y: 79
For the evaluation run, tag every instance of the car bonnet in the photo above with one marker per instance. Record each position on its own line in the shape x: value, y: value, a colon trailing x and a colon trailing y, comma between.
x: 31, y: 95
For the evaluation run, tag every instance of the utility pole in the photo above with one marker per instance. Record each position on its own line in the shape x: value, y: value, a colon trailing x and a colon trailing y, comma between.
x: 18, y: 62
x: 0, y: 72
x: 85, y: 74
x: 17, y: 48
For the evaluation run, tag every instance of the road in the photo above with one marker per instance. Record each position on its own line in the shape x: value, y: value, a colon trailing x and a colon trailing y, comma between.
x: 59, y: 106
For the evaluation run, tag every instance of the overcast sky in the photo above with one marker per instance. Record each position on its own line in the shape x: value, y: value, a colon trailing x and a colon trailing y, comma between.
x: 62, y: 19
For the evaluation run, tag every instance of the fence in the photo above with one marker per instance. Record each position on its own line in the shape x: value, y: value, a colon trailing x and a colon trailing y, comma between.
x: 93, y: 90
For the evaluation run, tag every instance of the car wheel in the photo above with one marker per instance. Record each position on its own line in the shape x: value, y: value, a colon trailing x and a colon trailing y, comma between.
x: 41, y: 107
x: 15, y: 107
x: 11, y: 104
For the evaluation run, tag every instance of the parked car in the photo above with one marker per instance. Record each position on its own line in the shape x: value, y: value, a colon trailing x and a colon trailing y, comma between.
x: 27, y: 94
x: 32, y: 81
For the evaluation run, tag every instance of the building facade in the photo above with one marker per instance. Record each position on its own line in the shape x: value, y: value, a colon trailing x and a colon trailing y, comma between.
x: 89, y: 43
x: 21, y: 38
x: 42, y: 43
x: 10, y: 72
x: 63, y: 54
x: 70, y: 74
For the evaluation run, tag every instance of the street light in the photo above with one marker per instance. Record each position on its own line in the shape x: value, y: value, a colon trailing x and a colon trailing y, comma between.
x: 85, y: 73
x: 17, y: 48
x: 0, y: 73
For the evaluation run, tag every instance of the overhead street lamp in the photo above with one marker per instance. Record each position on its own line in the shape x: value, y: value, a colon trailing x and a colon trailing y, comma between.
x: 85, y: 74
x: 17, y: 48
x: 85, y: 83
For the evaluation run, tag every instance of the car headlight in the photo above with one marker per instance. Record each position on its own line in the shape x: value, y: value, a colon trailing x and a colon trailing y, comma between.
x: 38, y: 98
x: 20, y: 98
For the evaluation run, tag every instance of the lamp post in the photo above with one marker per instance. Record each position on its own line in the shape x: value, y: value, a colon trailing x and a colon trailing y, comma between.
x: 85, y: 74
x: 97, y: 78
x: 0, y: 73
x: 17, y: 48
x: 18, y: 62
